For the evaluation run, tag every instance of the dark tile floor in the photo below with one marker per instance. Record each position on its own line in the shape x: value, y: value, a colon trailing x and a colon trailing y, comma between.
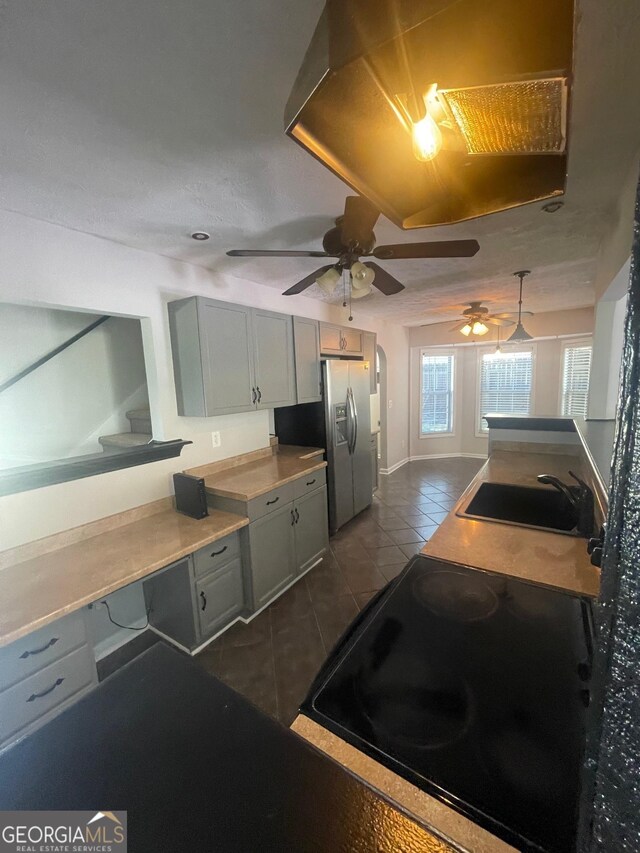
x: 274, y: 658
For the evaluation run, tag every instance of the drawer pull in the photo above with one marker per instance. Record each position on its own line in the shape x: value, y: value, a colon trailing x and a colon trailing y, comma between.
x: 217, y: 553
x: 204, y: 601
x: 297, y: 515
x: 311, y: 482
x: 27, y: 654
x: 46, y: 692
x: 274, y: 501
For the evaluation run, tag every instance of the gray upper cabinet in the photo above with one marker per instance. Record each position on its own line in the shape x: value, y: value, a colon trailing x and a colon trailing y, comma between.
x: 330, y: 339
x: 274, y: 363
x: 340, y: 340
x: 306, y: 337
x: 230, y: 358
x: 369, y: 348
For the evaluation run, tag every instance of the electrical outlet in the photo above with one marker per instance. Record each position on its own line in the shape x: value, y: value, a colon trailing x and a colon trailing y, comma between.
x: 215, y: 439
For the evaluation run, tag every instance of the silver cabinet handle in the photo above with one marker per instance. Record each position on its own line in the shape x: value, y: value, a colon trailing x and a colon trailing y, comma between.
x: 39, y: 651
x: 46, y: 692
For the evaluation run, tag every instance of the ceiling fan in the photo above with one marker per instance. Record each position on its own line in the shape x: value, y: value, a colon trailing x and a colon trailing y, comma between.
x: 352, y: 238
x: 477, y: 316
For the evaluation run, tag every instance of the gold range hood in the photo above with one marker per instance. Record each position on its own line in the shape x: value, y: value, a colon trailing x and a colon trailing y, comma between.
x: 439, y: 111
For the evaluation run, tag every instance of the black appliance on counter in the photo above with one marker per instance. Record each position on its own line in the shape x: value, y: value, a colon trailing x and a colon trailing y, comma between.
x: 474, y: 687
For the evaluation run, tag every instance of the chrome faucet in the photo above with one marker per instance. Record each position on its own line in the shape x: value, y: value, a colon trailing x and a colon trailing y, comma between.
x: 580, y: 497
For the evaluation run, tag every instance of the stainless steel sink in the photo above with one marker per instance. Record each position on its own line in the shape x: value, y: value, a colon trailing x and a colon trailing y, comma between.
x: 523, y: 506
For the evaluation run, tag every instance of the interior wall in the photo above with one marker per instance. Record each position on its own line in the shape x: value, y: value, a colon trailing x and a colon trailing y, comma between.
x: 545, y: 398
x: 50, y: 266
x: 84, y: 392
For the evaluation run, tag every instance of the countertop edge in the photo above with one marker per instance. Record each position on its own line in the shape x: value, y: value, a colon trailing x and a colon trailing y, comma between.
x: 249, y: 496
x: 7, y: 638
x: 414, y: 802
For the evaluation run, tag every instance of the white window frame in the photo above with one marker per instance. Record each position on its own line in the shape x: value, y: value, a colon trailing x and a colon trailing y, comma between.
x: 587, y: 340
x: 443, y: 351
x: 517, y: 347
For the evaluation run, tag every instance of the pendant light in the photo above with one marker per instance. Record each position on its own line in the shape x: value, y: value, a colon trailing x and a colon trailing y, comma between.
x: 520, y: 333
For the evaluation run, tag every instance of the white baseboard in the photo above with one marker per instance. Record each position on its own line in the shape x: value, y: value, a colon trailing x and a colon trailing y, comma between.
x: 448, y: 456
x: 395, y: 467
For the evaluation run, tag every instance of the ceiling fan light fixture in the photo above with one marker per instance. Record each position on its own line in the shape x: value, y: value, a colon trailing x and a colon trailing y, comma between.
x: 466, y: 330
x: 358, y: 293
x: 362, y: 276
x: 328, y: 281
x: 479, y: 328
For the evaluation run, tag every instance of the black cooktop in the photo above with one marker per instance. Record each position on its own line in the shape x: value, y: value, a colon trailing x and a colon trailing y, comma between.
x: 474, y: 687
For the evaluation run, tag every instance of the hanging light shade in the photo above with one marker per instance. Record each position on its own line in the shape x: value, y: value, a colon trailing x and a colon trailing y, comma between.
x: 362, y: 277
x: 328, y: 281
x: 479, y: 328
x: 520, y: 333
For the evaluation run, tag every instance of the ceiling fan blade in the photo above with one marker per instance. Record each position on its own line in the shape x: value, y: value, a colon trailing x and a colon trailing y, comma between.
x: 498, y: 321
x: 275, y: 253
x: 306, y: 282
x: 385, y: 283
x: 511, y: 314
x: 357, y: 223
x: 442, y: 249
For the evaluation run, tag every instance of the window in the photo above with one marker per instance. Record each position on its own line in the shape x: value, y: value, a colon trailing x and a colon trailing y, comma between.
x: 436, y: 393
x: 576, y: 366
x: 505, y: 384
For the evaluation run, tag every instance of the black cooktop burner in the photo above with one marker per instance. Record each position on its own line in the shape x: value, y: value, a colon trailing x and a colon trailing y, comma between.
x: 467, y: 684
x: 456, y: 595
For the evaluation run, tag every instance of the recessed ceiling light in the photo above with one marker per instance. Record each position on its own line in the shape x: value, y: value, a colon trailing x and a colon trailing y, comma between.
x: 200, y: 235
x: 552, y: 206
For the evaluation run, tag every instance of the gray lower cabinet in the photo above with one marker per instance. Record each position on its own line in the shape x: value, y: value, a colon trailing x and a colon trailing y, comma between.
x: 272, y: 554
x: 42, y: 674
x: 230, y: 358
x: 196, y: 597
x: 306, y: 338
x: 312, y: 524
x: 288, y: 533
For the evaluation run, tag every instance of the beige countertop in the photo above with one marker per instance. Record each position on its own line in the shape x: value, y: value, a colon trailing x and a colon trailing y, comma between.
x: 244, y: 482
x: 551, y: 559
x: 38, y: 590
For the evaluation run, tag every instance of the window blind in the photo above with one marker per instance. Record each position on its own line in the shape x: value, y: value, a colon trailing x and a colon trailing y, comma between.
x: 436, y: 404
x: 576, y: 368
x: 505, y: 384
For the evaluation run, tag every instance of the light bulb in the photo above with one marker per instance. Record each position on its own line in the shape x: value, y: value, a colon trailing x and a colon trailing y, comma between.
x: 427, y: 139
x: 361, y: 276
x: 479, y: 328
x: 466, y: 330
x: 328, y: 281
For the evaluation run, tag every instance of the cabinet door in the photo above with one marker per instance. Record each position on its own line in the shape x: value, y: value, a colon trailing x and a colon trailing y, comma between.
x: 220, y: 598
x: 369, y: 350
x: 351, y: 341
x: 330, y: 339
x: 274, y: 363
x: 311, y: 529
x: 306, y: 339
x: 271, y: 546
x: 227, y: 353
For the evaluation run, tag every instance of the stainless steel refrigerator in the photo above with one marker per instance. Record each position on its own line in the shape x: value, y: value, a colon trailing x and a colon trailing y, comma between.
x: 341, y: 423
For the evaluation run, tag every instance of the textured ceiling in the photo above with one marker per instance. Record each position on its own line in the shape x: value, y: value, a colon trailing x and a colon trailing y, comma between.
x: 141, y: 122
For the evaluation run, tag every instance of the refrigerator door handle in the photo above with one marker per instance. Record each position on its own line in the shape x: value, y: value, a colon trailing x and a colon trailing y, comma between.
x: 355, y: 420
x: 350, y: 422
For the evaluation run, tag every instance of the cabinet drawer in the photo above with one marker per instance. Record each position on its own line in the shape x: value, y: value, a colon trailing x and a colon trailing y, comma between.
x: 220, y: 598
x: 216, y: 555
x: 276, y: 499
x: 35, y: 651
x: 44, y: 691
x: 309, y: 483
